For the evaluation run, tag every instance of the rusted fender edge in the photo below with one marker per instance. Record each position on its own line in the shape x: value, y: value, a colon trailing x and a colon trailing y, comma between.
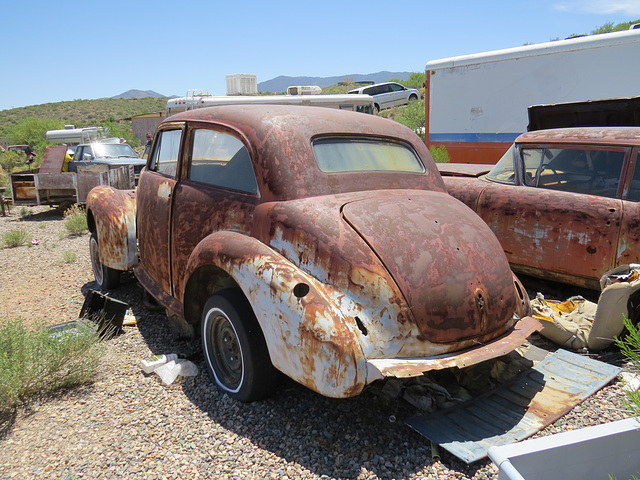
x: 411, y: 367
x: 309, y: 337
x: 112, y: 213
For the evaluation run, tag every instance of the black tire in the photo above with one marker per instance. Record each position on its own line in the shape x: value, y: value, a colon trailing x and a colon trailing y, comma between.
x: 106, y: 277
x: 376, y: 109
x: 413, y: 98
x: 235, y: 350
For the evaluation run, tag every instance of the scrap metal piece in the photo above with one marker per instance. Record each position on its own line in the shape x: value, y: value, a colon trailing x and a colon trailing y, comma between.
x: 518, y: 409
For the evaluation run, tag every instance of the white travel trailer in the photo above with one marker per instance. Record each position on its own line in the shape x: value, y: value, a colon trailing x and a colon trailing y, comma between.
x: 201, y: 98
x: 476, y: 105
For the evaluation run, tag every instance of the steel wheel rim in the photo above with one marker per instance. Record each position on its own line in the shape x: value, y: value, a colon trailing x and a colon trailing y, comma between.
x: 96, y: 265
x: 225, y: 353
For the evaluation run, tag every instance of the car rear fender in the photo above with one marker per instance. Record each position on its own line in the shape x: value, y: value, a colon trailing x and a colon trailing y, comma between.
x: 309, y: 337
x: 112, y: 214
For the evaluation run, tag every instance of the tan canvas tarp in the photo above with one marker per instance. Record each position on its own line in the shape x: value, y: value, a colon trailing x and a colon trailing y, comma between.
x: 580, y: 324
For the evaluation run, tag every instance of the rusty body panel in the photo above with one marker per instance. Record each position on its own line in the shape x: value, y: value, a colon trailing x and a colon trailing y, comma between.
x: 339, y: 268
x: 571, y: 237
x: 112, y: 213
x: 463, y: 169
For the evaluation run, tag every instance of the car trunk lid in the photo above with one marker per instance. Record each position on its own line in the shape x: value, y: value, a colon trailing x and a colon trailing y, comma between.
x: 444, y: 259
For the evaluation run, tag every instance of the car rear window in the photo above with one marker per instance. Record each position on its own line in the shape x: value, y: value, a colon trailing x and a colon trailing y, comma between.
x: 365, y: 155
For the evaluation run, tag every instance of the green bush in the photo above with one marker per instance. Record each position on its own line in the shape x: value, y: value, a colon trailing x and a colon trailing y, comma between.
x: 440, y: 154
x: 10, y: 160
x: 75, y: 220
x: 630, y: 348
x: 69, y: 257
x: 37, y: 362
x: 15, y: 238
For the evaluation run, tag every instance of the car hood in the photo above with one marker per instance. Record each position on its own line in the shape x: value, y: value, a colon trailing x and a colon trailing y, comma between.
x: 445, y: 260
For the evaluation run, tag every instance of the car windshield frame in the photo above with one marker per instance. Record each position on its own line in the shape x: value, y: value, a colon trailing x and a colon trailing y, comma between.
x: 337, y: 154
x: 505, y: 170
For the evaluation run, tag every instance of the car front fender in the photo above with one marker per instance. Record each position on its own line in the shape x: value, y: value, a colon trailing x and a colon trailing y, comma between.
x: 309, y: 337
x: 112, y: 214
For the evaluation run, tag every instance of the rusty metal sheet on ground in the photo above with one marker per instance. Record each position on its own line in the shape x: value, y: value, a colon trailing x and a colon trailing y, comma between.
x: 517, y: 409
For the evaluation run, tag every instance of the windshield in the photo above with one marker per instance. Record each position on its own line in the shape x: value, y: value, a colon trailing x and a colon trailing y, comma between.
x: 504, y: 171
x: 113, y: 150
x: 365, y: 155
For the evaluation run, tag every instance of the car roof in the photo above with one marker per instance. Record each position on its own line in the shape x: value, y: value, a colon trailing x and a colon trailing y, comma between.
x: 280, y: 139
x: 373, y: 85
x: 584, y: 136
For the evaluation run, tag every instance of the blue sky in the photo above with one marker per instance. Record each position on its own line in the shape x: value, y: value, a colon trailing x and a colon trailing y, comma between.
x: 57, y: 51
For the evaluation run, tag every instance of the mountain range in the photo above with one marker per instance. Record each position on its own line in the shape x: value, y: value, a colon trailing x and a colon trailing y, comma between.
x: 139, y: 94
x: 280, y: 84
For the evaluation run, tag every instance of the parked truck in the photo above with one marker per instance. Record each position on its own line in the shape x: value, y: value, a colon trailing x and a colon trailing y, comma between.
x: 476, y: 105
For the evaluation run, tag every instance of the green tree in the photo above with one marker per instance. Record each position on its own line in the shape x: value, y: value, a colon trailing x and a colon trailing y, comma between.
x: 610, y: 27
x: 32, y: 131
x: 416, y: 80
x: 412, y: 116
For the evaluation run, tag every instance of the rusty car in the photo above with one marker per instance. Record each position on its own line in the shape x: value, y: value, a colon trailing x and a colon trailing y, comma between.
x: 315, y: 242
x: 562, y: 202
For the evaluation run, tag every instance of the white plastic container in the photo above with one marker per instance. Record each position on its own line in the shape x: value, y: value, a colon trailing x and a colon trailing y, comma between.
x: 150, y: 364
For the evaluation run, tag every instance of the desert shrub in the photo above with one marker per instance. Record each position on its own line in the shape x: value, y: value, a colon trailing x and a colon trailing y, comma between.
x: 15, y: 238
x: 69, y: 257
x: 38, y: 361
x: 75, y: 220
x: 630, y: 347
x: 10, y: 160
x: 440, y: 154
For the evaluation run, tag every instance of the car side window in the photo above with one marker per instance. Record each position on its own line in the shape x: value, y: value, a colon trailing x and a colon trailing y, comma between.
x: 396, y: 88
x: 165, y: 154
x: 594, y: 172
x: 222, y: 160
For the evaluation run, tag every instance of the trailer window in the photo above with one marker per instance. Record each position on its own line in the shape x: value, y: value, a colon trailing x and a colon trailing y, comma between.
x: 364, y: 155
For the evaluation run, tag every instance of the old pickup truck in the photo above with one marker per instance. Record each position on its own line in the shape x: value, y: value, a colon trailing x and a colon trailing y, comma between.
x: 317, y: 242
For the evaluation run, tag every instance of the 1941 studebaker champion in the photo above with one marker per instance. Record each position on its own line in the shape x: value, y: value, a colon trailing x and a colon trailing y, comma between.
x: 313, y: 241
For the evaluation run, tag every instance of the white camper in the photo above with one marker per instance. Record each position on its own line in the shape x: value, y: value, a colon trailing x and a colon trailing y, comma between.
x: 476, y: 105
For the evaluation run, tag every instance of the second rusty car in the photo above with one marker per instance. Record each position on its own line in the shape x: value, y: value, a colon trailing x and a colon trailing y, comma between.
x: 563, y: 202
x: 313, y: 241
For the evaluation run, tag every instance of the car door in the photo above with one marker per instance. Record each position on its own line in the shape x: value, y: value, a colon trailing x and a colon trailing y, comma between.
x: 155, y: 199
x: 550, y: 232
x: 398, y: 95
x: 629, y: 241
x: 384, y: 96
x: 219, y: 192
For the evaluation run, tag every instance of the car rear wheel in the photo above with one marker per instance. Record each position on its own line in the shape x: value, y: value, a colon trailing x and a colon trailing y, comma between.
x: 376, y: 109
x: 106, y: 277
x: 234, y: 347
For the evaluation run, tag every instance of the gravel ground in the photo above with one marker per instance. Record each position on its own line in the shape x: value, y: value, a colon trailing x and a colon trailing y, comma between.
x: 128, y: 425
